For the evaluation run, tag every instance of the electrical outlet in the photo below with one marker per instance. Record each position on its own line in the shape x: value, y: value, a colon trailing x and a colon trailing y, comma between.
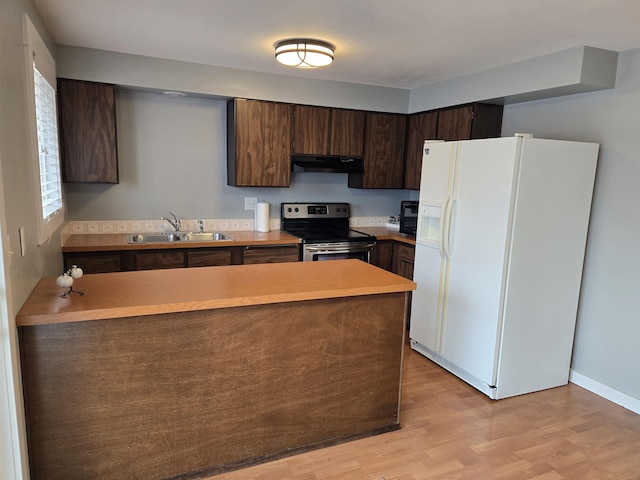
x: 250, y: 203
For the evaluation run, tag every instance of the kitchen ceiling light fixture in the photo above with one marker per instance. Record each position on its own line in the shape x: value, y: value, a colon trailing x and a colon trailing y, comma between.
x: 304, y: 52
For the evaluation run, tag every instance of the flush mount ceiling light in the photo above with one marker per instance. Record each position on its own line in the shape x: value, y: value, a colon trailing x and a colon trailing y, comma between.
x: 304, y: 52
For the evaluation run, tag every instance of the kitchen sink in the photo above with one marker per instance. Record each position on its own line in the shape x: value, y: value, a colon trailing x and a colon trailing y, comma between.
x: 177, y: 237
x: 153, y: 237
x: 206, y: 236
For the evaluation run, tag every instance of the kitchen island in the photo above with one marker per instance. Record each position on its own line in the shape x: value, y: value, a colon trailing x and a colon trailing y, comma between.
x: 189, y: 372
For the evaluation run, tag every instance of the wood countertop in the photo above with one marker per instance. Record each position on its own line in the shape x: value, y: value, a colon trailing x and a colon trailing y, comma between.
x: 384, y: 233
x: 128, y: 294
x: 104, y: 242
x: 118, y: 241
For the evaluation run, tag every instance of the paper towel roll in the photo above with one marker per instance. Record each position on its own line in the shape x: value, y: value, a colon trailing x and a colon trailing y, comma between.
x: 261, y: 223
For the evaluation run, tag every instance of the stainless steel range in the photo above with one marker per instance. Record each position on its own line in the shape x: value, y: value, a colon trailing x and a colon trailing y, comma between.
x: 325, y: 233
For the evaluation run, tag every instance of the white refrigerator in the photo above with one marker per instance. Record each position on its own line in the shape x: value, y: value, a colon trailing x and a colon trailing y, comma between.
x: 500, y: 243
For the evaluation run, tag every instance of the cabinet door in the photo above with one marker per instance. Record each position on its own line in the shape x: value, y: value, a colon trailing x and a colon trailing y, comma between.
x: 403, y: 259
x: 258, y: 143
x: 209, y: 258
x: 383, y: 255
x: 159, y: 259
x: 383, y: 152
x: 347, y: 133
x: 478, y: 120
x: 87, y: 119
x: 487, y: 121
x: 271, y: 254
x: 422, y: 126
x: 311, y: 130
x: 455, y: 123
x: 106, y: 262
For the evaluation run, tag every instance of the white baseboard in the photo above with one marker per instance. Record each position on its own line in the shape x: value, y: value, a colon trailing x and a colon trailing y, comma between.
x: 604, y: 391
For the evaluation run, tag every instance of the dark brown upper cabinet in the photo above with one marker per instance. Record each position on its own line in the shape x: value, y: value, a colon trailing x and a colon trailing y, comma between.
x: 422, y: 126
x: 347, y: 132
x: 466, y: 122
x: 383, y: 156
x: 328, y: 131
x: 311, y: 130
x: 87, y: 117
x: 478, y: 120
x: 258, y: 143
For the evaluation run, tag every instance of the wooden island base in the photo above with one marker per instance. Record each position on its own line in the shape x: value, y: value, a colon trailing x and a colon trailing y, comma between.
x: 189, y: 394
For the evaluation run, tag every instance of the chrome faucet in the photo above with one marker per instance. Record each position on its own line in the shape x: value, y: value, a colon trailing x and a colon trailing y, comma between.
x: 175, y: 223
x: 201, y: 225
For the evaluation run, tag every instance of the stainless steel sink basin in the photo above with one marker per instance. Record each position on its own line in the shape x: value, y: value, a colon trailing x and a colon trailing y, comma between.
x: 153, y: 237
x: 177, y: 237
x: 206, y: 236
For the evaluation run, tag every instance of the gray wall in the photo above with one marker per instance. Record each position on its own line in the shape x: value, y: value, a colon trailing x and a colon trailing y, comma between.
x: 172, y: 156
x: 17, y: 209
x: 608, y: 331
x: 576, y: 70
x: 205, y: 80
x: 17, y: 167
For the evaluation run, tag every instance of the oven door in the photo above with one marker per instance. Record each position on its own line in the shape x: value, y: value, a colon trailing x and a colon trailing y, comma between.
x: 314, y: 252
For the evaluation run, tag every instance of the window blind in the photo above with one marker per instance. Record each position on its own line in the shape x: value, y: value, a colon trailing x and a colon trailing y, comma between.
x: 47, y: 129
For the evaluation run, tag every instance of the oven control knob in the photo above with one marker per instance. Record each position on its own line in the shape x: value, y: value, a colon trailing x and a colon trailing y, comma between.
x: 296, y: 209
x: 338, y: 209
x: 289, y: 209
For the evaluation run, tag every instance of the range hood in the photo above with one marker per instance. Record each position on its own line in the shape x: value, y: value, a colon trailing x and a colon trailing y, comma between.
x: 301, y: 163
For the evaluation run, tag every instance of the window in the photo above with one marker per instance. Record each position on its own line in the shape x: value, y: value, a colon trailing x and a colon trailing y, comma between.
x: 49, y: 159
x: 41, y: 73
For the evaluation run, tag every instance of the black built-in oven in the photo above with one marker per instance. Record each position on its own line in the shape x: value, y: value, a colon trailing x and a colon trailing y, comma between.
x: 325, y: 232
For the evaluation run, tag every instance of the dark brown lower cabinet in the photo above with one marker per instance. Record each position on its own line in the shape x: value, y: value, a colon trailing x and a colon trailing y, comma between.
x: 210, y: 258
x: 94, y: 262
x: 396, y: 257
x: 383, y: 255
x: 271, y: 254
x: 158, y: 260
x: 126, y: 260
x: 403, y: 257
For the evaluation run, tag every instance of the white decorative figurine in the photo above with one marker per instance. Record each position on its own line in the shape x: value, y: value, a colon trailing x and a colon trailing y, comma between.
x: 66, y: 280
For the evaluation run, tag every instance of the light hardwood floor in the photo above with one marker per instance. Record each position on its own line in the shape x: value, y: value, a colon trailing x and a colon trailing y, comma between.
x: 451, y: 431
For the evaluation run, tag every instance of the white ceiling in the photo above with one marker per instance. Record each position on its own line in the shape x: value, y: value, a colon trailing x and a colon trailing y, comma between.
x: 393, y: 43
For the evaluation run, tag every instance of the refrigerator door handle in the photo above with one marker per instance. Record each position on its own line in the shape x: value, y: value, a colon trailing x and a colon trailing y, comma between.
x: 442, y: 239
x: 446, y: 248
